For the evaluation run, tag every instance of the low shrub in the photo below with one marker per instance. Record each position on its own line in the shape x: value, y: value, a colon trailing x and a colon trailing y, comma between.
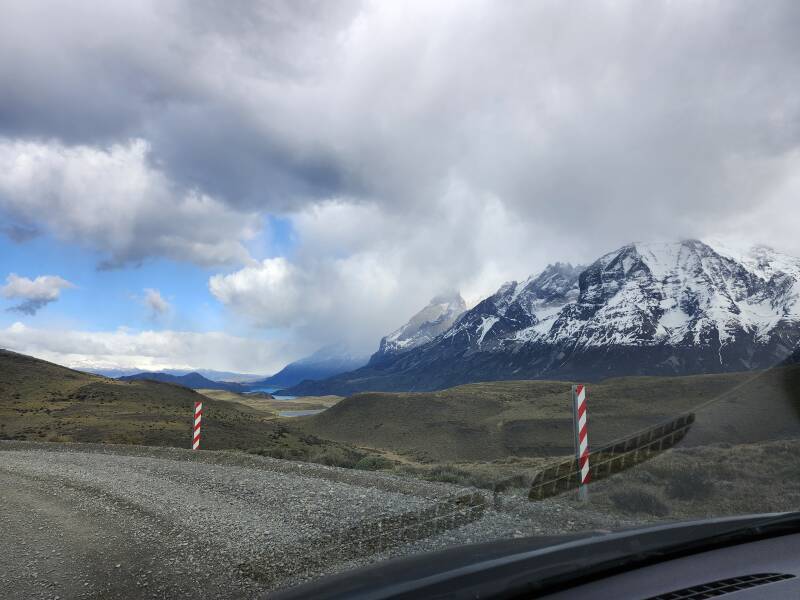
x: 334, y: 457
x: 638, y: 501
x: 450, y: 474
x: 691, y: 484
x: 373, y: 463
x: 282, y: 452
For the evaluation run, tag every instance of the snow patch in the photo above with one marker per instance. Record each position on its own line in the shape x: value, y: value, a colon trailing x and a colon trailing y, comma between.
x: 485, y: 326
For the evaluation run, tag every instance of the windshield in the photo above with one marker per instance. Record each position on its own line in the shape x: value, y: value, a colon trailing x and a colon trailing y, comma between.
x: 288, y: 289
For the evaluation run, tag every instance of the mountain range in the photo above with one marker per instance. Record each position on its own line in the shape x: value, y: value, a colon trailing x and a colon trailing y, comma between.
x: 191, y: 380
x: 643, y: 309
x: 207, y: 373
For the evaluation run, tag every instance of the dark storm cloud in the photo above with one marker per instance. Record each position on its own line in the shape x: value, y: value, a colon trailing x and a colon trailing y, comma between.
x: 558, y: 110
x: 97, y: 73
x: 29, y: 307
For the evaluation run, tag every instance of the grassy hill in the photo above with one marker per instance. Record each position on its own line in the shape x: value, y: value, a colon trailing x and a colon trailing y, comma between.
x: 497, y: 420
x: 42, y: 401
x: 472, y: 434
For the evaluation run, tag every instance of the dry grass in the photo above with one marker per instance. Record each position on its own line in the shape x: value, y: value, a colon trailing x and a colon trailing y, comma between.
x: 40, y: 401
x: 709, y: 481
x: 486, y: 422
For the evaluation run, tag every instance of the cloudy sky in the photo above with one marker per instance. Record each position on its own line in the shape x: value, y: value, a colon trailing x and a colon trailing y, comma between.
x: 230, y: 185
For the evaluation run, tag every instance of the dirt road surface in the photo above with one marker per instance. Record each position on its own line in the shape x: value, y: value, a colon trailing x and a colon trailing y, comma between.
x: 85, y: 521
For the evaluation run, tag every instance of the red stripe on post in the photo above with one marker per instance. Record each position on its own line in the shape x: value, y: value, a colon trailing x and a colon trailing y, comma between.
x: 581, y: 409
x: 581, y: 436
x: 198, y: 413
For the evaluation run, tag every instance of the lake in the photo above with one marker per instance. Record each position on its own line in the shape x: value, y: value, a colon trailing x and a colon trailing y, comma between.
x: 269, y: 390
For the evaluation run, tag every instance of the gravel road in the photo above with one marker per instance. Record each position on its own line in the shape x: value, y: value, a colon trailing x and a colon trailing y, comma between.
x: 86, y: 521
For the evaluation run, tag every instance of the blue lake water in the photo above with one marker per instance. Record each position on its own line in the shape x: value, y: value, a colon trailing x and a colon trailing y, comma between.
x: 269, y: 390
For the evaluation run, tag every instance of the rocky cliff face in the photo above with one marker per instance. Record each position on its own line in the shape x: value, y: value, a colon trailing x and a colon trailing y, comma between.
x: 659, y: 309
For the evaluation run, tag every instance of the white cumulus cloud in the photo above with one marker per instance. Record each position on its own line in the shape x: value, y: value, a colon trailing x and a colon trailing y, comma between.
x: 33, y: 293
x: 358, y: 273
x: 148, y: 350
x: 114, y: 200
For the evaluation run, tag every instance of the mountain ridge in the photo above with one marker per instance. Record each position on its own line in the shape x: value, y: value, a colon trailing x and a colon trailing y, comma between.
x: 193, y: 380
x: 643, y: 309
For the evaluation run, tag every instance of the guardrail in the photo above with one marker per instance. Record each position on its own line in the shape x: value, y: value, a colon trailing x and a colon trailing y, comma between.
x: 369, y: 538
x: 611, y: 458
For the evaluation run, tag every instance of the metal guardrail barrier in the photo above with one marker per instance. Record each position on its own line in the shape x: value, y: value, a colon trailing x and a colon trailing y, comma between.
x: 371, y: 537
x: 611, y: 458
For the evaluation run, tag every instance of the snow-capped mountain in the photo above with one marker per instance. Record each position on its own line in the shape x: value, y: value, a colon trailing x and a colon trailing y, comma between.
x: 433, y: 320
x: 655, y: 308
x: 527, y: 306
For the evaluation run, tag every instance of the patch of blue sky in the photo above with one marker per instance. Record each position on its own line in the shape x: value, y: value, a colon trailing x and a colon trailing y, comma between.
x: 105, y: 300
x: 277, y: 238
x: 108, y: 299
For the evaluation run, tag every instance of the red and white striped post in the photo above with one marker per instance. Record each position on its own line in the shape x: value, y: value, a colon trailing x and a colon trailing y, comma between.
x: 581, y: 438
x: 198, y: 416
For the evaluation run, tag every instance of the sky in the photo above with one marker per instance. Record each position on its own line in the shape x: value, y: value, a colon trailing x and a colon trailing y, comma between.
x: 232, y: 185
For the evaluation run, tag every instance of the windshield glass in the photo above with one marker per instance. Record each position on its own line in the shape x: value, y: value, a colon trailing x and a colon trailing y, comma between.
x: 288, y: 289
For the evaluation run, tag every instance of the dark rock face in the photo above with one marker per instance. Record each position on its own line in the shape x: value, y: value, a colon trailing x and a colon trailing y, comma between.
x: 644, y: 309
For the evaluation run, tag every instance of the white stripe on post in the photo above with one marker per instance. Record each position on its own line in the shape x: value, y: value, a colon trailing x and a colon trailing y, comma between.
x: 581, y: 437
x: 198, y: 415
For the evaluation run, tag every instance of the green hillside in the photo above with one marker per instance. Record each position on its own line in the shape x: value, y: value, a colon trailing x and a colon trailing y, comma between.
x: 42, y: 401
x: 491, y: 421
x: 474, y: 434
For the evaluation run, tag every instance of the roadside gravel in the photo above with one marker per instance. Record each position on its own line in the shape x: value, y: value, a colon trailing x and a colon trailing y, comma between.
x: 81, y: 521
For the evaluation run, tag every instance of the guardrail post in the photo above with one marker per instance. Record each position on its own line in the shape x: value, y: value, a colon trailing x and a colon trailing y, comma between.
x: 579, y: 418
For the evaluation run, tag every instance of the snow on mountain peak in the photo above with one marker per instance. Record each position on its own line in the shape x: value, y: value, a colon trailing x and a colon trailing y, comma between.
x: 440, y: 313
x: 681, y: 293
x: 644, y: 309
x: 643, y: 294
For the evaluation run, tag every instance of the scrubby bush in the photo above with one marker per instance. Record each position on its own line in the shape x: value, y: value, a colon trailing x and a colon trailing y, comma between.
x: 512, y: 482
x: 334, y: 457
x: 373, y: 462
x: 281, y: 452
x: 638, y: 501
x: 450, y: 474
x: 689, y: 484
